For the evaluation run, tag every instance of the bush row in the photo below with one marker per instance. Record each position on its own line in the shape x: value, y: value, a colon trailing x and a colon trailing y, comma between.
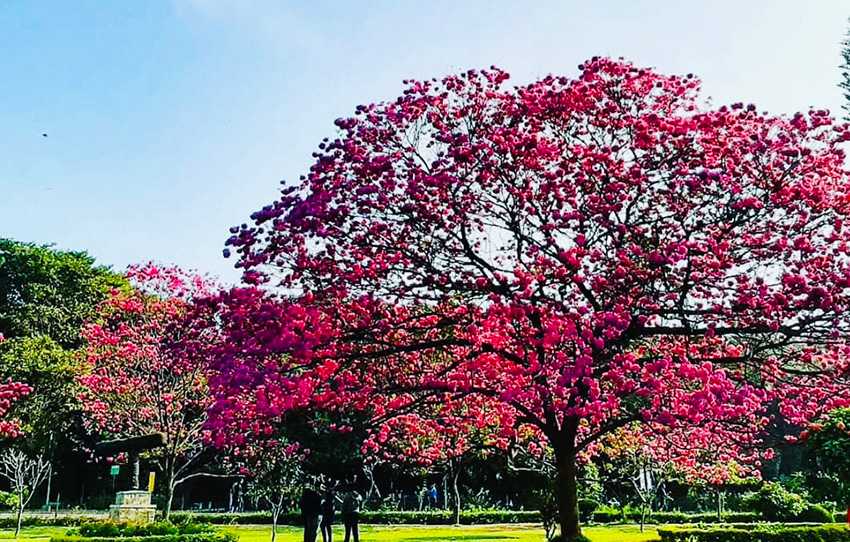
x: 111, y: 529
x: 429, y: 517
x: 471, y: 517
x: 8, y: 522
x: 196, y: 537
x: 763, y: 533
x: 631, y: 516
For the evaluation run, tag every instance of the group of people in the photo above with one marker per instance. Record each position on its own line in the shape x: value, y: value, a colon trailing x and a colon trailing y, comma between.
x: 318, y: 511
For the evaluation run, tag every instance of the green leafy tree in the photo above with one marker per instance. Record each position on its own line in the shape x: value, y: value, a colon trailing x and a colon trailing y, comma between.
x: 45, y: 296
x: 45, y: 291
x: 829, y: 453
x: 333, y: 453
x: 845, y: 74
x: 49, y: 369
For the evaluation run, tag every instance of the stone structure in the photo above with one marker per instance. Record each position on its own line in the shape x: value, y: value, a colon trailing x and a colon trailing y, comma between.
x: 134, y: 505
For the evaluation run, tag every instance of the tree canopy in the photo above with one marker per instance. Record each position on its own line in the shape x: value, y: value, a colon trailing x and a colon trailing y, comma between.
x: 573, y: 256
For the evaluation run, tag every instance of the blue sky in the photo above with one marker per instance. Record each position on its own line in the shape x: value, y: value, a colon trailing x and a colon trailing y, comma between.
x: 169, y: 121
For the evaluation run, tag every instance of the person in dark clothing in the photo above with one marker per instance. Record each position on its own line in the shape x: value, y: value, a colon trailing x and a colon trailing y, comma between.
x: 328, y: 514
x: 351, y: 514
x: 311, y: 508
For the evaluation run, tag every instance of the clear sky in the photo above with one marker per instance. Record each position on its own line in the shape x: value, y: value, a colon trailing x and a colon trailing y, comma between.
x: 168, y: 121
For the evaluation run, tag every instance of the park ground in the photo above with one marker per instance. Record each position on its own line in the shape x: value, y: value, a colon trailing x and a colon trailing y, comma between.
x: 406, y: 533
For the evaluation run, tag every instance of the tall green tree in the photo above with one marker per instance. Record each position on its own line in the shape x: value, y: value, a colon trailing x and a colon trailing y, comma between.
x: 829, y: 455
x: 50, y: 292
x: 845, y: 74
x: 45, y: 296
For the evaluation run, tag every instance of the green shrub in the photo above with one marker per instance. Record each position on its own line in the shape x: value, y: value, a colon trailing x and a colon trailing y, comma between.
x: 607, y: 514
x: 111, y: 529
x: 815, y: 513
x: 757, y: 533
x: 197, y: 537
x: 428, y: 517
x: 775, y: 503
x: 8, y: 522
x: 586, y: 507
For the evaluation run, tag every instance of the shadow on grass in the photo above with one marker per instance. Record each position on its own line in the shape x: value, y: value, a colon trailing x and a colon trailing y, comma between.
x: 472, y: 537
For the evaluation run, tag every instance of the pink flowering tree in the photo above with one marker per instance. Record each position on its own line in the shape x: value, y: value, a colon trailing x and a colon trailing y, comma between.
x: 644, y: 460
x: 10, y: 394
x: 143, y: 377
x: 273, y: 469
x: 578, y: 254
x: 427, y: 439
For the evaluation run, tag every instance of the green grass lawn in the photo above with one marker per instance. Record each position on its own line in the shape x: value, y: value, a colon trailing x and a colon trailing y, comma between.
x: 481, y: 533
x: 404, y: 533
x: 41, y: 534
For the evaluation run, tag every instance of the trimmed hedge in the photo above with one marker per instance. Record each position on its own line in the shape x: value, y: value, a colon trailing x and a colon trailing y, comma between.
x: 467, y: 517
x: 609, y: 516
x: 8, y: 522
x: 428, y: 517
x: 111, y: 529
x: 814, y: 513
x: 758, y: 533
x: 197, y: 537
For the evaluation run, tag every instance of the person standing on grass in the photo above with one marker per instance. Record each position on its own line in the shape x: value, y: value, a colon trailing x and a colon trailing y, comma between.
x: 328, y: 515
x: 351, y: 514
x: 311, y: 507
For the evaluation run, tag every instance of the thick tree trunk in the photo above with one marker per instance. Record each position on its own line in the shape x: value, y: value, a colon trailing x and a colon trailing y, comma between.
x: 567, y: 484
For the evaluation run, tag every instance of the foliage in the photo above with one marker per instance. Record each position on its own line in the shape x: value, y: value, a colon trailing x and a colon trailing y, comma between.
x: 142, y: 377
x: 42, y: 520
x: 844, y: 84
x: 326, y: 450
x: 49, y: 292
x: 45, y: 296
x: 764, y: 533
x: 829, y: 450
x: 617, y: 515
x: 111, y: 529
x: 425, y: 517
x: 50, y: 411
x: 814, y: 513
x: 775, y: 502
x: 10, y: 394
x: 602, y: 515
x: 275, y: 475
x: 566, y: 257
x: 193, y: 537
x: 586, y: 507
